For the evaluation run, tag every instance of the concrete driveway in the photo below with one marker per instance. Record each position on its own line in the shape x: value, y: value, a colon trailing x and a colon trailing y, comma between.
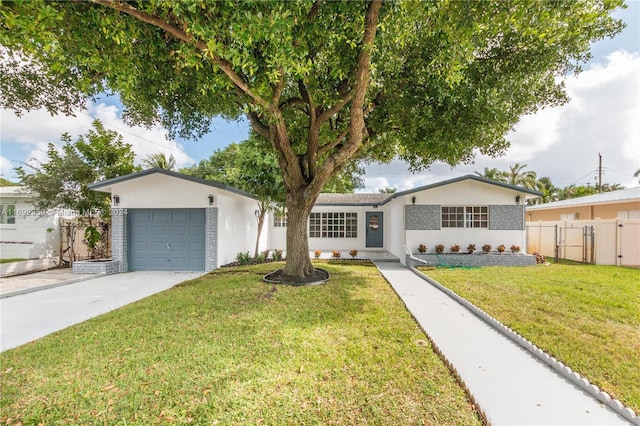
x: 34, y: 315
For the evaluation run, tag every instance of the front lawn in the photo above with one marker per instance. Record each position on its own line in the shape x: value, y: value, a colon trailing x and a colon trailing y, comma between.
x: 11, y: 260
x: 586, y: 316
x: 228, y: 349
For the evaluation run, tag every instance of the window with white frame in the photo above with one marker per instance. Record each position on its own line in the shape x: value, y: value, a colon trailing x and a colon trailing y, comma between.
x: 7, y: 214
x: 280, y: 220
x: 333, y: 225
x: 465, y: 217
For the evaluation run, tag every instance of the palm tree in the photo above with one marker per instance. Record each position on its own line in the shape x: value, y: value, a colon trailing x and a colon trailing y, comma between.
x: 549, y: 191
x: 159, y: 161
x: 517, y: 176
x: 492, y: 174
x: 637, y: 174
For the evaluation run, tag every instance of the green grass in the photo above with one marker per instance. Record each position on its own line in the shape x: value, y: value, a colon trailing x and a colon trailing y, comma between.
x: 586, y: 316
x: 11, y: 260
x: 228, y: 349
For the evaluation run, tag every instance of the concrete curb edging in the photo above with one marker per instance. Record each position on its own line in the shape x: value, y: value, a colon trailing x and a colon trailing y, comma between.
x: 48, y: 286
x: 440, y: 354
x: 562, y: 369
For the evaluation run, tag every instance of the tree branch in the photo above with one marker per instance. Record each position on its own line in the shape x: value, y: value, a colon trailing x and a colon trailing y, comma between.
x: 258, y: 126
x: 329, y: 146
x: 180, y: 34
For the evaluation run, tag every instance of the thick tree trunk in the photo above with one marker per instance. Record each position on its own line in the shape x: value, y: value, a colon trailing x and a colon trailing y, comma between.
x: 298, y: 261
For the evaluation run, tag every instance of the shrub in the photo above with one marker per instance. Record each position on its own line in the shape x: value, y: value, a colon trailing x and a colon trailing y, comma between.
x: 454, y: 248
x: 261, y: 258
x: 422, y: 248
x: 335, y: 254
x: 486, y: 248
x: 317, y: 254
x: 440, y: 248
x: 501, y: 248
x: 515, y: 249
x: 265, y: 253
x: 540, y: 260
x: 353, y: 253
x: 276, y: 255
x: 243, y: 258
x: 471, y: 248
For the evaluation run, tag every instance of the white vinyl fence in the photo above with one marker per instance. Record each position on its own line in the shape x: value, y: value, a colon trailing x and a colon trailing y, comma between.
x: 599, y: 241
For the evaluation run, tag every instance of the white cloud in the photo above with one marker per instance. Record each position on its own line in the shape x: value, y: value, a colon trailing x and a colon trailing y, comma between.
x: 5, y: 167
x: 33, y: 130
x: 563, y: 143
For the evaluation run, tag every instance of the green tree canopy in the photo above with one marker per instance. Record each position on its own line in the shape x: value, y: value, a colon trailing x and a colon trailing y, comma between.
x: 61, y: 181
x: 326, y: 83
x: 159, y: 160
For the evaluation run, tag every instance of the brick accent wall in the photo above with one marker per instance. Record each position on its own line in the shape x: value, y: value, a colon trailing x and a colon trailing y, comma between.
x: 119, y: 238
x: 422, y: 217
x: 102, y: 267
x: 506, y: 218
x: 211, y: 239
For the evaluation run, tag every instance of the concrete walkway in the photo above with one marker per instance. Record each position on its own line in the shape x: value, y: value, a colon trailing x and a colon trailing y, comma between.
x: 38, y: 281
x: 27, y: 317
x: 509, y: 384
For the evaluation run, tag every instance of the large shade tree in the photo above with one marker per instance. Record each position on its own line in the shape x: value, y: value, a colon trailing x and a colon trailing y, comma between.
x: 326, y: 82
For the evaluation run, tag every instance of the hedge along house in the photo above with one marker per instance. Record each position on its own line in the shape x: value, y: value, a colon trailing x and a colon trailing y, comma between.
x: 166, y: 221
x: 465, y: 210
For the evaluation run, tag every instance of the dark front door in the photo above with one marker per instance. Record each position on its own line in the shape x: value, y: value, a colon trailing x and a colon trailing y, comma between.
x: 375, y: 229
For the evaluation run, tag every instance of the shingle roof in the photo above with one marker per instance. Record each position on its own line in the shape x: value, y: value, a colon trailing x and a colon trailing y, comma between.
x: 351, y: 199
x: 621, y: 195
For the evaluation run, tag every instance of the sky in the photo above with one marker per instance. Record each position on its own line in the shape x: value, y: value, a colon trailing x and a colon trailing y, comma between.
x: 562, y: 143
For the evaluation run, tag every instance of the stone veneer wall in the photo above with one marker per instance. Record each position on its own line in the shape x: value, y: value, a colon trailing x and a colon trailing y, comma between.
x: 96, y: 267
x: 211, y: 239
x: 477, y: 259
x: 506, y: 218
x: 119, y: 225
x: 422, y: 217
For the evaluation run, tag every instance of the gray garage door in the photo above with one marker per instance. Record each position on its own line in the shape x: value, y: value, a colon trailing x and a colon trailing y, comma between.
x: 166, y: 239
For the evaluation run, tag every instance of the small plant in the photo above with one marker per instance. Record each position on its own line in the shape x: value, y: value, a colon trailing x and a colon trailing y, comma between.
x: 471, y: 248
x: 276, y: 255
x: 486, y: 248
x: 540, y: 260
x: 501, y: 248
x: 265, y: 253
x: 422, y: 249
x: 515, y: 249
x: 440, y: 248
x: 261, y: 258
x: 243, y: 258
x: 353, y: 253
x: 454, y: 248
x: 317, y: 254
x: 335, y: 254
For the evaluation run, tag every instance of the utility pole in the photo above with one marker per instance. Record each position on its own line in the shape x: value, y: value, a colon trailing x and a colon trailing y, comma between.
x: 599, y: 173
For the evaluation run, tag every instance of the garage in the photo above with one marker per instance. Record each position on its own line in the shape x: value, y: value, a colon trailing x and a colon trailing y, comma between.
x: 166, y: 239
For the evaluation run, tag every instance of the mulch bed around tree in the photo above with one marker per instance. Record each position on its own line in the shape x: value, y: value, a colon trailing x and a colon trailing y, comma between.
x: 319, y: 276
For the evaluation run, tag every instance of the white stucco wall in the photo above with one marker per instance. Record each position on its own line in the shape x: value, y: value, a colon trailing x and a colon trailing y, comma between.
x: 34, y: 235
x: 394, y: 228
x: 237, y: 226
x: 466, y: 193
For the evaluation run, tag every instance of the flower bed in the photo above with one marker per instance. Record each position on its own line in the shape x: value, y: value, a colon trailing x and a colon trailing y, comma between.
x: 476, y: 259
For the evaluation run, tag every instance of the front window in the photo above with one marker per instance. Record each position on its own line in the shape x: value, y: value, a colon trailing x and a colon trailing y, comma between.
x: 465, y: 217
x: 280, y: 220
x: 7, y: 214
x: 333, y: 225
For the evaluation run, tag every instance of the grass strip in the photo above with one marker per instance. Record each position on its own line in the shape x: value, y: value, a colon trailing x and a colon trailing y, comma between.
x: 586, y: 316
x: 228, y: 349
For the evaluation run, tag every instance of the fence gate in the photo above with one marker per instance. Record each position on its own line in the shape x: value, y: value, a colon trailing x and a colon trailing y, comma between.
x: 576, y: 243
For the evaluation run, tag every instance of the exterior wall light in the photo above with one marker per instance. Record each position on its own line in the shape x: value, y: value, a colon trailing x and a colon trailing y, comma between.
x: 211, y: 199
x: 413, y: 200
x: 517, y: 199
x: 116, y: 200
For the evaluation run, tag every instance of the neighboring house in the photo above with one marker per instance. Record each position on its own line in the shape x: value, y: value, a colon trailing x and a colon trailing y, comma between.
x: 465, y: 210
x: 25, y: 232
x: 620, y: 204
x: 163, y: 220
